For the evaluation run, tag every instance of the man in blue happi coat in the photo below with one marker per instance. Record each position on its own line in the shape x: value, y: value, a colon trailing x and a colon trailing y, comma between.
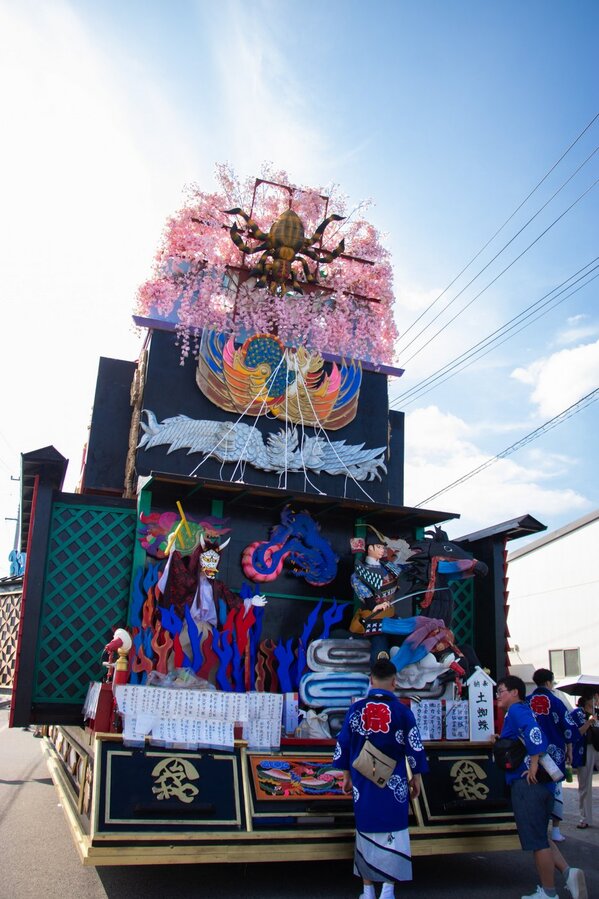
x: 556, y: 723
x: 532, y: 797
x: 382, y: 851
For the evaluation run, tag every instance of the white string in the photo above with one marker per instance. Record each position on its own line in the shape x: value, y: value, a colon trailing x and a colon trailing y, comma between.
x: 319, y: 427
x: 299, y: 408
x: 226, y: 434
x: 287, y: 428
x: 282, y: 482
x: 240, y: 462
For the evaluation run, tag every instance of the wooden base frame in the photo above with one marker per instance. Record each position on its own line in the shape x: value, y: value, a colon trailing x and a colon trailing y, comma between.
x: 256, y: 837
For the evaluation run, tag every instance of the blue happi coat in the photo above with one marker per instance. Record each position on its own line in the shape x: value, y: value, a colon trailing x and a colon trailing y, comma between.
x: 579, y: 742
x: 521, y: 724
x: 391, y: 727
x: 555, y: 721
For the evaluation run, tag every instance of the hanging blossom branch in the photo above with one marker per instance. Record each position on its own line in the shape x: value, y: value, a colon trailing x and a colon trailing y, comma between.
x: 196, y: 273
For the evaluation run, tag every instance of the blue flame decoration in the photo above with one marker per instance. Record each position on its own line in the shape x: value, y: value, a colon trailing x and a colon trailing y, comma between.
x: 137, y: 599
x: 285, y: 657
x: 143, y: 580
x: 238, y: 669
x: 246, y: 591
x: 170, y: 620
x: 152, y: 575
x: 135, y: 676
x: 332, y: 616
x: 146, y: 643
x: 222, y: 612
x: 194, y: 638
x: 300, y: 665
x: 255, y: 634
x: 221, y: 644
x: 310, y: 624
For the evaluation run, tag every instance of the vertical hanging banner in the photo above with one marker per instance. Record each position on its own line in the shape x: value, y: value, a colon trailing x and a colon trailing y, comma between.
x: 480, y: 705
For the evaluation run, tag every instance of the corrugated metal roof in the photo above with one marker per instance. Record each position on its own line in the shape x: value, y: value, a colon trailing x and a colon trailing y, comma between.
x: 555, y: 535
x: 512, y: 529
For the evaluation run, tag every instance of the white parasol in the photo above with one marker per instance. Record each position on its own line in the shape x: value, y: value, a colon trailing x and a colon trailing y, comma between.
x: 578, y: 685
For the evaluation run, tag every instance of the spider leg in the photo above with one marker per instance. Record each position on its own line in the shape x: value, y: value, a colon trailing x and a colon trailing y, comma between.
x: 295, y: 284
x: 308, y: 274
x: 324, y: 255
x: 239, y: 241
x: 329, y: 256
x: 308, y: 251
x: 321, y: 228
x: 252, y: 225
x: 260, y: 270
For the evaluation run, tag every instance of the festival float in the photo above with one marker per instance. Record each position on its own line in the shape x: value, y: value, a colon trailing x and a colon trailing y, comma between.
x: 197, y: 617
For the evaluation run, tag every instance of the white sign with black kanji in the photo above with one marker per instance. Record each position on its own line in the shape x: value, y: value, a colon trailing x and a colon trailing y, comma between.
x: 480, y: 705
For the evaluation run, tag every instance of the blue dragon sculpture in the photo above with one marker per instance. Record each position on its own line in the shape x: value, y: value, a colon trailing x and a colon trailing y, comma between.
x: 298, y: 540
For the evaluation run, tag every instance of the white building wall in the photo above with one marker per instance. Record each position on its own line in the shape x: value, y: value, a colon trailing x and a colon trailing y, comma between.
x: 554, y: 599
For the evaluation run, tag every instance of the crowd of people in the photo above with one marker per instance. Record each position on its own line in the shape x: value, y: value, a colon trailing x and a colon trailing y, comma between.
x: 382, y: 732
x: 552, y: 738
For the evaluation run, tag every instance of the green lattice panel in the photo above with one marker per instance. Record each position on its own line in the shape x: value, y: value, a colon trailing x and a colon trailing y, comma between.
x: 86, y: 594
x: 463, y: 613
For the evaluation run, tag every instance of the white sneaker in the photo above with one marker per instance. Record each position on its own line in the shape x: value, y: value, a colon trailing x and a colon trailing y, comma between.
x: 539, y: 893
x: 557, y: 836
x: 576, y: 884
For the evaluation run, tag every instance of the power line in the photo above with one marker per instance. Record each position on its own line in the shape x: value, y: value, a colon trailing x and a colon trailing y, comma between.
x: 496, y: 256
x: 543, y: 429
x: 481, y: 355
x: 491, y: 239
x: 492, y: 339
x: 533, y: 313
x: 502, y: 272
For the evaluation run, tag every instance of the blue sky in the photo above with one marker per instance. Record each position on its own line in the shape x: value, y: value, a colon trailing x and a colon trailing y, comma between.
x: 445, y: 114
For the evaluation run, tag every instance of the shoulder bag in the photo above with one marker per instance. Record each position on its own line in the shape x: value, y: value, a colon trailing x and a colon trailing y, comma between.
x: 374, y: 764
x: 508, y: 754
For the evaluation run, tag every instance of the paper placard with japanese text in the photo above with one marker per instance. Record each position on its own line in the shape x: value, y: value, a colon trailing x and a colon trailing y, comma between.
x: 457, y: 722
x: 198, y: 718
x: 480, y: 707
x: 429, y: 718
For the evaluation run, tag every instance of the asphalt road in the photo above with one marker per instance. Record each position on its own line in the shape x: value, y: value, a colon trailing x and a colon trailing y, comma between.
x: 39, y: 859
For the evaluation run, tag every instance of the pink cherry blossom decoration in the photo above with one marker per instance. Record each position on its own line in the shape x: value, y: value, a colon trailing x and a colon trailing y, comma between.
x: 196, y: 279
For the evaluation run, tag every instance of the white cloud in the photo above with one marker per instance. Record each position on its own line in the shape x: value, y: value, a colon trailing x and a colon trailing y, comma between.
x: 578, y: 328
x: 563, y: 378
x: 440, y: 449
x: 91, y: 163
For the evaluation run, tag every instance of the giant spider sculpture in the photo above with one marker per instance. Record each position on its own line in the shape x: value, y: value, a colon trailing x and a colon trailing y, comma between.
x: 284, y: 244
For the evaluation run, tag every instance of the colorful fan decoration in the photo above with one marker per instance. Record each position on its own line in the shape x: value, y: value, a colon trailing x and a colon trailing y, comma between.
x: 265, y: 377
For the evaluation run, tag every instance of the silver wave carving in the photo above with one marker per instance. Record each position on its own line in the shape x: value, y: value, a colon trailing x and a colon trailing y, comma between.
x: 331, y: 689
x: 339, y: 655
x: 236, y: 441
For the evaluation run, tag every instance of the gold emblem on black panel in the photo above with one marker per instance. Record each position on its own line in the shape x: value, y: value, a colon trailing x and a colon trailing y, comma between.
x: 467, y: 779
x: 171, y: 779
